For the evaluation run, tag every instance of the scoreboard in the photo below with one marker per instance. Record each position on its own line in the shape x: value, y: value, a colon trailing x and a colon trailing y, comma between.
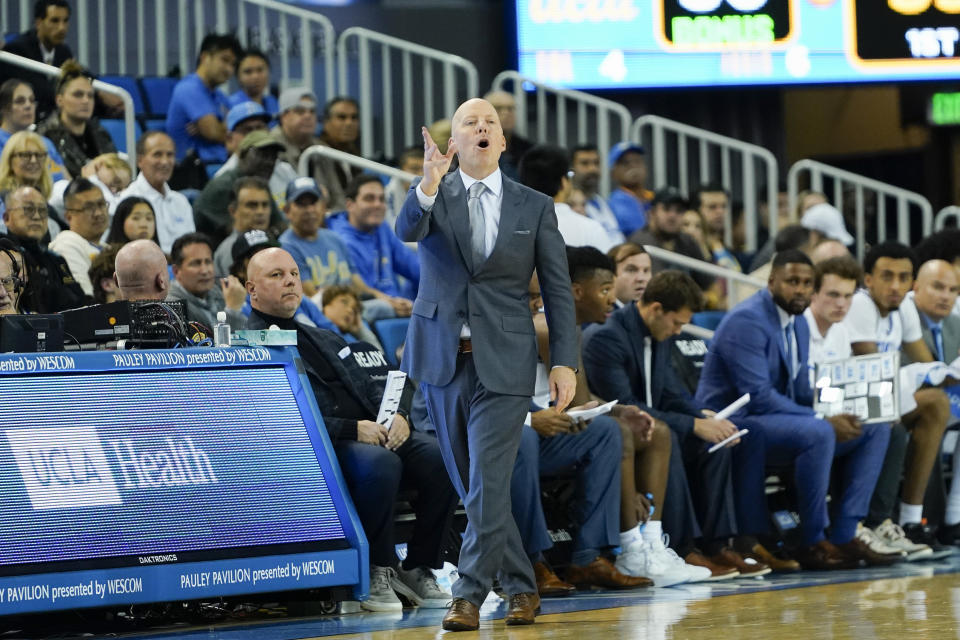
x: 675, y: 43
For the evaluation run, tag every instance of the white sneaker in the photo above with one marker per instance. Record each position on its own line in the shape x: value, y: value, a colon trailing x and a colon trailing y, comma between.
x: 641, y: 558
x: 382, y: 597
x: 867, y: 536
x: 420, y: 587
x: 694, y: 572
x: 893, y: 536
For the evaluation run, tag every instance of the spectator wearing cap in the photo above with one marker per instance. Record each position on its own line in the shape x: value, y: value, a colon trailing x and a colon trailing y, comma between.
x: 376, y: 253
x: 825, y: 222
x: 195, y: 118
x: 253, y: 76
x: 320, y: 254
x: 545, y: 168
x: 631, y: 200
x: 585, y: 160
x: 256, y: 156
x: 202, y: 293
x: 246, y: 118
x: 664, y: 229
x: 341, y: 131
x: 296, y: 131
x: 249, y: 209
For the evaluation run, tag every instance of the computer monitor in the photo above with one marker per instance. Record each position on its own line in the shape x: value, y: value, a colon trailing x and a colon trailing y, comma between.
x: 31, y: 333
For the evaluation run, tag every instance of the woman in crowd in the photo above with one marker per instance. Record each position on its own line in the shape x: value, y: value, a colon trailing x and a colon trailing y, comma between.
x: 253, y: 76
x: 134, y: 219
x: 77, y: 135
x: 23, y: 163
x: 18, y: 111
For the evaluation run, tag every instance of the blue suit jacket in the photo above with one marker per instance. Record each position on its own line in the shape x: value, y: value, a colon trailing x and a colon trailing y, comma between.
x: 491, y: 297
x: 613, y: 359
x: 747, y: 356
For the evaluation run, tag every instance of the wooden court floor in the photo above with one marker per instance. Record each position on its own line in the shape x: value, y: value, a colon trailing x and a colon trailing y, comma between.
x: 893, y: 608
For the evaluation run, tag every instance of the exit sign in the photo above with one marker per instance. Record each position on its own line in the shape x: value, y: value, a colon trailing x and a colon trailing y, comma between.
x: 944, y: 109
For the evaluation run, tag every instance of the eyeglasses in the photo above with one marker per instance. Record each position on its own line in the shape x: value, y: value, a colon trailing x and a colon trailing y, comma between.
x: 11, y: 283
x: 91, y: 207
x: 38, y: 211
x: 35, y: 156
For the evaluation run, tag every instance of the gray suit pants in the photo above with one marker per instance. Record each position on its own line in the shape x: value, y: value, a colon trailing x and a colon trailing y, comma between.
x: 479, y: 433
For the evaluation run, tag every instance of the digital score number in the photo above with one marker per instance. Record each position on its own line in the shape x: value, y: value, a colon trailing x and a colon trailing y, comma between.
x: 725, y: 24
x: 894, y: 31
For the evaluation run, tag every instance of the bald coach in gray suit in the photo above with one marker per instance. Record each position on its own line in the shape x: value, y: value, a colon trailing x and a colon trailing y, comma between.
x: 471, y: 341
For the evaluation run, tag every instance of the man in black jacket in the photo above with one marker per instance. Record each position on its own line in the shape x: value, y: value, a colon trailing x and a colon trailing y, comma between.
x: 52, y: 287
x: 44, y: 43
x: 374, y: 459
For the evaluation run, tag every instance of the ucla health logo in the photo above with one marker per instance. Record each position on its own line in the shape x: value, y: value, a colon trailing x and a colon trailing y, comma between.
x: 63, y: 467
x: 68, y: 467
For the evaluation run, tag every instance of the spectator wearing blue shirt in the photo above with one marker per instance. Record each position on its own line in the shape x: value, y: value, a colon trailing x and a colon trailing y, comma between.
x: 195, y: 119
x: 253, y: 76
x: 377, y: 255
x: 631, y: 200
x: 18, y: 112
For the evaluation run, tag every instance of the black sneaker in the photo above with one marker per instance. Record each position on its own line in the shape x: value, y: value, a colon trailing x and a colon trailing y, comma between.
x: 922, y: 534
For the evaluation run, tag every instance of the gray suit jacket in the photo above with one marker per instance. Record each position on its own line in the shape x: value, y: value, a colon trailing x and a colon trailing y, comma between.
x: 491, y: 297
x: 951, y: 338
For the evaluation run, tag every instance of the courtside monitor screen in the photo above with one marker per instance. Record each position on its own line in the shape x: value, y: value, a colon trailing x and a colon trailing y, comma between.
x: 610, y: 44
x: 164, y: 475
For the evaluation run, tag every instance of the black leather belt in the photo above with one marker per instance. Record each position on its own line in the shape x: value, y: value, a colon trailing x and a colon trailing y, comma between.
x: 465, y: 346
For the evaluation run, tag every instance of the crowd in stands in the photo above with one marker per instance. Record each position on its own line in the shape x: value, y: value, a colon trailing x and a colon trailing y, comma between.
x: 317, y: 253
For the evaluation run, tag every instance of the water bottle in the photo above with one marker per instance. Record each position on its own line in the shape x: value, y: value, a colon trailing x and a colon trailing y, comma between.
x: 221, y: 331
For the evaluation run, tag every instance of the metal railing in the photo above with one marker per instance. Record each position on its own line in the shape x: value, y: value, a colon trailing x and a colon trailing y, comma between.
x: 686, y: 157
x: 947, y: 213
x: 844, y: 183
x: 401, y: 85
x: 128, y: 114
x: 133, y: 37
x: 303, y: 165
x: 732, y: 277
x: 566, y: 117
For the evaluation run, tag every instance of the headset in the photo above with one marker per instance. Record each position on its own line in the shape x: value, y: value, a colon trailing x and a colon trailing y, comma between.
x: 11, y: 250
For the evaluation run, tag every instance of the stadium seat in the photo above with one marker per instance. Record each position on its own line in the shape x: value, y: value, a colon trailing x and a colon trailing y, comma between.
x: 392, y: 333
x: 128, y: 83
x: 117, y: 131
x: 156, y: 124
x: 158, y: 91
x: 708, y: 319
x: 10, y: 37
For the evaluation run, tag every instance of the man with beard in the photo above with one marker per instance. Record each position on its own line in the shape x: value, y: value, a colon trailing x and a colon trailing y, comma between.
x: 877, y: 324
x: 761, y: 348
x: 664, y: 230
x: 585, y: 162
x: 257, y: 156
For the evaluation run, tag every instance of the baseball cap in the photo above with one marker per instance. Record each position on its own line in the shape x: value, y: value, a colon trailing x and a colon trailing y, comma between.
x: 292, y: 97
x: 245, y: 111
x: 621, y: 148
x: 302, y: 185
x: 248, y: 243
x: 827, y: 220
x: 668, y: 196
x: 258, y: 139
